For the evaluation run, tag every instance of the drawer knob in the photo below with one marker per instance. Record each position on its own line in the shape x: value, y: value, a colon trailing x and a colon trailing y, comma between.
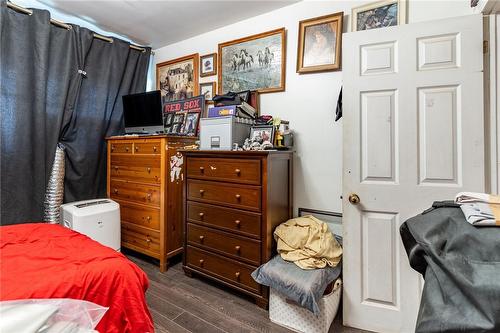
x: 237, y: 171
x: 237, y: 248
x: 201, y: 262
x: 149, y: 170
x: 202, y: 238
x: 115, y: 191
x: 148, y: 240
x: 237, y: 196
x: 155, y: 149
x: 202, y: 169
x: 148, y: 218
x: 237, y: 275
x: 148, y: 196
x: 136, y: 148
x: 201, y: 215
x: 116, y: 168
x: 237, y: 222
x: 126, y: 148
x: 202, y: 191
x: 112, y: 148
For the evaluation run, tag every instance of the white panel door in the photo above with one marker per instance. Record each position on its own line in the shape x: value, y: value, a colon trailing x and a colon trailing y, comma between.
x: 413, y: 134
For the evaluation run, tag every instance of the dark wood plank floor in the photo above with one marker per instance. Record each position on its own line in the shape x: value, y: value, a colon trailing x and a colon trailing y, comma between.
x: 180, y: 304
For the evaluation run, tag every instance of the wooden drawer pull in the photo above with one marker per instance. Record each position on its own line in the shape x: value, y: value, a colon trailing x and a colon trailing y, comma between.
x: 112, y: 148
x: 202, y: 238
x: 148, y: 196
x: 201, y: 215
x: 136, y: 148
x: 202, y: 169
x: 149, y: 170
x: 237, y: 171
x: 237, y: 196
x: 202, y: 191
x: 155, y: 149
x: 126, y: 148
x: 116, y: 168
x: 148, y: 218
x: 115, y: 191
x: 237, y: 248
x: 237, y: 275
x: 148, y: 240
x: 237, y: 222
x: 201, y: 262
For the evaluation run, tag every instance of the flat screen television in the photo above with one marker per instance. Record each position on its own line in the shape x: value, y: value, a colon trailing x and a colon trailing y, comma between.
x: 142, y: 113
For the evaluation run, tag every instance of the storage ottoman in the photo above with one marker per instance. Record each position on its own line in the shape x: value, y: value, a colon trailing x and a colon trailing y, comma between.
x: 299, y: 319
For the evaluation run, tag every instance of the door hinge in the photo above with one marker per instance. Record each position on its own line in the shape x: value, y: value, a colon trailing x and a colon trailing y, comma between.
x: 485, y: 47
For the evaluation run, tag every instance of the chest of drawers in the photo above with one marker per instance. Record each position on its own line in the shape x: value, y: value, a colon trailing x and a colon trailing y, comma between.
x: 146, y: 177
x: 232, y: 203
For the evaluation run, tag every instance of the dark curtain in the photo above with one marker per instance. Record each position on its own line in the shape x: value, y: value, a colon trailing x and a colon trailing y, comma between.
x: 38, y: 72
x: 113, y: 70
x: 58, y: 85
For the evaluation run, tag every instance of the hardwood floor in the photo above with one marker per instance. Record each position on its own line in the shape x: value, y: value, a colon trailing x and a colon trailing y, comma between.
x: 180, y: 304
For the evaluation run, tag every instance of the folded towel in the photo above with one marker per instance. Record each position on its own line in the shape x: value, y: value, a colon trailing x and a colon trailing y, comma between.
x: 466, y: 197
x: 480, y: 209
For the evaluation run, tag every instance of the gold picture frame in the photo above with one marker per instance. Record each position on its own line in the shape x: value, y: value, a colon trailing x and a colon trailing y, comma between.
x: 378, y: 14
x: 319, y: 47
x: 212, y: 85
x: 204, y: 65
x: 178, y: 78
x: 240, y: 68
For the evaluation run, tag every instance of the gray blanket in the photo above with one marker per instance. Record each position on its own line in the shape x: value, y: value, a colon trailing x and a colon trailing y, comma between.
x: 461, y: 267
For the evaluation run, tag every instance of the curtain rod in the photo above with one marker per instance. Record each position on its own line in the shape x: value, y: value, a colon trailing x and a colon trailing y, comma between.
x: 68, y: 27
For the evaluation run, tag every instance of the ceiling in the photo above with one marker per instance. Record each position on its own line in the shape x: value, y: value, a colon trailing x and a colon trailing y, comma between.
x: 160, y: 23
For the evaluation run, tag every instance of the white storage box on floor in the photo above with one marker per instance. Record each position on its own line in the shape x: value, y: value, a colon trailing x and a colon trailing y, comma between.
x: 299, y: 319
x: 98, y: 219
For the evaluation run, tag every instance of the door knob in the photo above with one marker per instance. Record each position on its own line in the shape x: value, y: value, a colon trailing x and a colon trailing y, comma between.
x: 354, y: 199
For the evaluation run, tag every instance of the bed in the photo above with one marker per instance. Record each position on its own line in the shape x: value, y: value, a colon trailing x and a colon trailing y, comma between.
x: 48, y: 261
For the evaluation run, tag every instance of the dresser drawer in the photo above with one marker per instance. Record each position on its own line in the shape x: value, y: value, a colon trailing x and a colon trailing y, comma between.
x: 145, y: 194
x: 223, y: 268
x: 237, y: 247
x: 139, y: 238
x: 144, y: 169
x: 231, y: 220
x: 150, y: 147
x: 245, y: 171
x: 121, y: 148
x: 140, y: 215
x: 231, y: 195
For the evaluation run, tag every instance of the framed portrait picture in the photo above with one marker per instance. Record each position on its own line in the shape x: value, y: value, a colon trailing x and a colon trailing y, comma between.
x: 266, y: 133
x: 253, y: 63
x: 178, y: 78
x: 208, y: 64
x: 177, y: 123
x: 190, y: 127
x: 378, y: 15
x: 168, y: 120
x: 208, y: 90
x: 320, y: 44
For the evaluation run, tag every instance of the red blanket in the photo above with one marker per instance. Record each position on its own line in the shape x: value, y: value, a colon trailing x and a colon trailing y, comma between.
x: 49, y: 261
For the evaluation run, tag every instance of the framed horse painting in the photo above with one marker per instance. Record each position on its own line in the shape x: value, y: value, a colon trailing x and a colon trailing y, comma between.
x: 255, y: 62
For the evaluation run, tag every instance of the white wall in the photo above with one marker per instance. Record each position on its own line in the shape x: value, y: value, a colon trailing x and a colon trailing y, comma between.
x: 310, y: 99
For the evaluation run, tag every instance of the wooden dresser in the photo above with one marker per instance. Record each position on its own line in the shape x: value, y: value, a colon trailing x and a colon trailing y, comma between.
x: 233, y: 202
x: 145, y: 176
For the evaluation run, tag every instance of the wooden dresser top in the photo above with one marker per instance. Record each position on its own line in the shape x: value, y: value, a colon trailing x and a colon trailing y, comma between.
x: 132, y: 137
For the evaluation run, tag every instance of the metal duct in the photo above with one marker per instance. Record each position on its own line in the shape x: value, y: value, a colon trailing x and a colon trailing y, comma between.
x: 55, y: 188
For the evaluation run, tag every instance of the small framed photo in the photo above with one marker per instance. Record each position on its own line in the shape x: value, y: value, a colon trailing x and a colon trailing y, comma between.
x: 168, y: 120
x: 320, y: 44
x: 178, y: 121
x: 208, y: 65
x: 379, y: 14
x: 190, y: 127
x: 208, y: 90
x: 265, y: 133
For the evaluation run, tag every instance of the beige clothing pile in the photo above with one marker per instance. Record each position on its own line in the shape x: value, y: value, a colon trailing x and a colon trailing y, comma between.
x: 307, y: 242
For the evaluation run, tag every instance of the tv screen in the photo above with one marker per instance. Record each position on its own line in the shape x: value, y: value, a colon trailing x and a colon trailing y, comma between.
x: 142, y: 112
